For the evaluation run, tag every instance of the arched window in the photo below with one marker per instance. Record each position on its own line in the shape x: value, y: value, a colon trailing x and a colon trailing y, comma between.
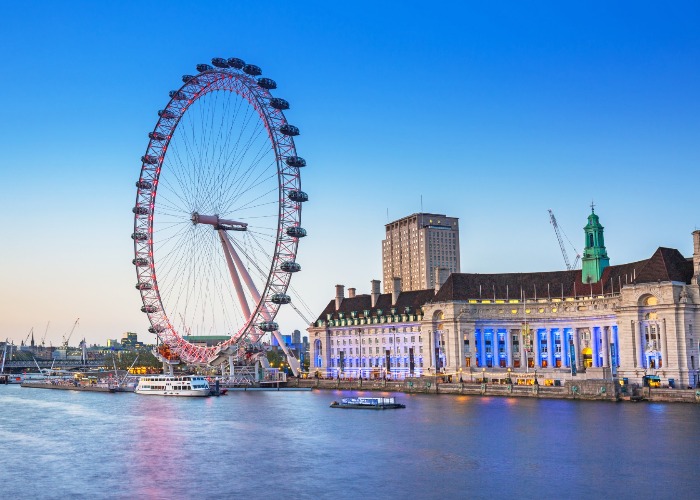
x: 318, y: 358
x: 651, y: 301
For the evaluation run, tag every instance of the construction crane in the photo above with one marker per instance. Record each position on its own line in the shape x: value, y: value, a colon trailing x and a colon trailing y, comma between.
x: 558, y: 232
x: 45, y: 332
x: 67, y: 339
x: 24, y: 342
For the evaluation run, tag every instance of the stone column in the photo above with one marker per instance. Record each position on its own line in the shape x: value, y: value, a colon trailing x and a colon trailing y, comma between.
x: 595, y: 345
x: 431, y: 354
x: 664, y: 346
x: 564, y: 342
x: 577, y: 347
x: 606, y: 346
x: 550, y: 348
x: 523, y: 350
x: 472, y: 346
x: 537, y: 348
x: 509, y: 348
x: 482, y: 348
x: 639, y: 352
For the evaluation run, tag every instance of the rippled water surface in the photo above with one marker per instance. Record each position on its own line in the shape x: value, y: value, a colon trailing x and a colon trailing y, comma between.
x: 65, y: 444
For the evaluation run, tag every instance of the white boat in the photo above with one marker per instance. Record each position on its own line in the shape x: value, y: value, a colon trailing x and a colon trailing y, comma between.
x: 177, y: 385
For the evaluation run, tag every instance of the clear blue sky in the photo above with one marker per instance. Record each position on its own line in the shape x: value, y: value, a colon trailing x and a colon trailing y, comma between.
x: 493, y: 112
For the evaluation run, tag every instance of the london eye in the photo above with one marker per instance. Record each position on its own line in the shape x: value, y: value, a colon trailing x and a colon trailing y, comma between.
x: 217, y: 218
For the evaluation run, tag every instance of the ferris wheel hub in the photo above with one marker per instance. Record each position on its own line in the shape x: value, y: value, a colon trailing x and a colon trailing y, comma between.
x: 218, y: 223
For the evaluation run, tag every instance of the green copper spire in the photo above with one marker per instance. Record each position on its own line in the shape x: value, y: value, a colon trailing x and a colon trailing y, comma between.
x: 595, y: 258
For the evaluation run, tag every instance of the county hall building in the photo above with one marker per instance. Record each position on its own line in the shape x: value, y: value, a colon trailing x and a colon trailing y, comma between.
x: 602, y: 321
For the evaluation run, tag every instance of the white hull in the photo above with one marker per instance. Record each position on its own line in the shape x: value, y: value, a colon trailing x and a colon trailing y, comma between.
x: 179, y: 386
x: 193, y: 393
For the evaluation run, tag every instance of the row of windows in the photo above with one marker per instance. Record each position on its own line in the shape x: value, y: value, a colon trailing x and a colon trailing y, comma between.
x: 377, y: 350
x: 388, y: 340
x: 376, y: 363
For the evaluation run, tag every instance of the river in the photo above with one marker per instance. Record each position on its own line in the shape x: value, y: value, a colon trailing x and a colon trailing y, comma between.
x: 66, y: 444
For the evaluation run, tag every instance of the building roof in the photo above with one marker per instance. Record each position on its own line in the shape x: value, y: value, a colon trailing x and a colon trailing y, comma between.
x: 413, y: 300
x: 667, y: 264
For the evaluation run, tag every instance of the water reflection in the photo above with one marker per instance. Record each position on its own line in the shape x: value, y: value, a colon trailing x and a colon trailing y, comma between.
x: 261, y: 444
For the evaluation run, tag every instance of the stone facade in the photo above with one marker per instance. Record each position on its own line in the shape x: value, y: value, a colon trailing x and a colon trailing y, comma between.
x: 638, y: 320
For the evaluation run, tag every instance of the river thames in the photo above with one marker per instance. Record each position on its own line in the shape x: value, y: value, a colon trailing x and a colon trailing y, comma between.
x: 65, y: 444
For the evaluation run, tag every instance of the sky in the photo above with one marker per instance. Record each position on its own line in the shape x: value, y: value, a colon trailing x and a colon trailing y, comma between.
x: 493, y: 112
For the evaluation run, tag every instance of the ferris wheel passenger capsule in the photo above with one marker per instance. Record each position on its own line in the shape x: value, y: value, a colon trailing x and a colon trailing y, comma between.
x: 295, y: 161
x: 204, y: 67
x: 268, y: 326
x: 156, y: 329
x: 298, y: 196
x: 219, y: 62
x: 252, y: 70
x: 267, y: 83
x: 143, y: 286
x: 140, y: 262
x: 143, y: 185
x: 235, y: 63
x: 149, y: 160
x: 279, y: 103
x: 289, y: 130
x: 296, y: 232
x: 189, y: 79
x: 177, y: 95
x: 143, y: 210
x: 157, y: 136
x: 149, y: 309
x: 139, y: 236
x: 290, y: 267
x: 281, y: 298
x: 166, y: 115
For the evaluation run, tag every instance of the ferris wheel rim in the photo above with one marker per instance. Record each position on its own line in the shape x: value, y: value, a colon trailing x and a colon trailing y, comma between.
x: 288, y: 213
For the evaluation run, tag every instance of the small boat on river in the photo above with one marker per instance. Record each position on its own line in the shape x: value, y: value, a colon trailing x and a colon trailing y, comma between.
x: 367, y: 404
x: 178, y: 385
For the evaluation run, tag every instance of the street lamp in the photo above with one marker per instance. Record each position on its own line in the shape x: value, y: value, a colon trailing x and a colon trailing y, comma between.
x: 460, y: 376
x: 483, y: 375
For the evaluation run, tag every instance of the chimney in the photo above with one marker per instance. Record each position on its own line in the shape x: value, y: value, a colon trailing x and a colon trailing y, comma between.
x: 696, y: 256
x: 396, y: 290
x: 351, y: 293
x: 339, y: 296
x: 375, y: 292
x: 441, y: 275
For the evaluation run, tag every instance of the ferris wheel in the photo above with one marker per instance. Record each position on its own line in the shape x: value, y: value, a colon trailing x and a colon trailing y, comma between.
x: 217, y: 218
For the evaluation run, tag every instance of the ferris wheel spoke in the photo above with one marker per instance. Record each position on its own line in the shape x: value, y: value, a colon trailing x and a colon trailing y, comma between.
x: 259, y: 182
x: 239, y: 160
x: 242, y: 175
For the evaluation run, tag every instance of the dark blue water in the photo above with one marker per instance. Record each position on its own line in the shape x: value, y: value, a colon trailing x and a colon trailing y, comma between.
x: 64, y: 444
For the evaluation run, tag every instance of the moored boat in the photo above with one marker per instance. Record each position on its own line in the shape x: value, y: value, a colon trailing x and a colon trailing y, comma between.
x: 367, y: 404
x: 174, y: 385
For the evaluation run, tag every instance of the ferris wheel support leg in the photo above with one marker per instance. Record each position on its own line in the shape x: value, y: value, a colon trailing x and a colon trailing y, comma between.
x: 291, y: 358
x: 226, y: 244
x: 248, y: 280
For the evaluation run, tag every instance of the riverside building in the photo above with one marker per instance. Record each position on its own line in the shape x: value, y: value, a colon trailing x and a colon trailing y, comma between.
x: 628, y: 321
x: 417, y: 245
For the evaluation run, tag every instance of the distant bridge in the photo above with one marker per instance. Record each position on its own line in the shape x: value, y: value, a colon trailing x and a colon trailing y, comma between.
x: 56, y: 364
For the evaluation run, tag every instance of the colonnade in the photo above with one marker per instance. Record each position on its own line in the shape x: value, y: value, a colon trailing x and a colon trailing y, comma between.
x: 538, y: 347
x: 640, y: 347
